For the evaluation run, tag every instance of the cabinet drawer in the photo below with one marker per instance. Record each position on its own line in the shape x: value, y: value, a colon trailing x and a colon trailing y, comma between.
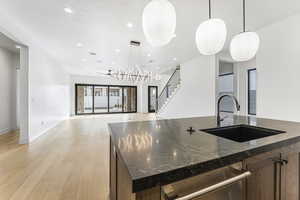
x: 221, y: 184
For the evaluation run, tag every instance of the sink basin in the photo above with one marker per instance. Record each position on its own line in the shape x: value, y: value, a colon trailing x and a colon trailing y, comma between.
x: 242, y: 133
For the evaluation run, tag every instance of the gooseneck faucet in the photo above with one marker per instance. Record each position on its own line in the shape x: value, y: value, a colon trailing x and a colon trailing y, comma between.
x: 237, y: 105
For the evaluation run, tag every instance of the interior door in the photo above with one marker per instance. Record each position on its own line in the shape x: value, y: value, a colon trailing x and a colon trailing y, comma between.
x: 152, y: 98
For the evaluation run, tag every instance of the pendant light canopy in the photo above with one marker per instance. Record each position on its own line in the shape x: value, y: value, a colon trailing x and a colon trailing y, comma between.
x: 211, y: 35
x: 244, y: 46
x: 159, y: 22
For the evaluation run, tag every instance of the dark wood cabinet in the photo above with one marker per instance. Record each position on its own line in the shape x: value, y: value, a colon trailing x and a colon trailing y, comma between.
x: 275, y: 175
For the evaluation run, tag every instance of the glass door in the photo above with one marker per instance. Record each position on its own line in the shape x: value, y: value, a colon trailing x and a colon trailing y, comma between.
x: 100, y: 99
x: 104, y: 99
x: 115, y: 99
x: 130, y: 99
x: 84, y: 99
x: 152, y: 98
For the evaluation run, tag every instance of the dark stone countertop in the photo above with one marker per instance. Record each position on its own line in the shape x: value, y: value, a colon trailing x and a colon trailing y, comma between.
x: 161, y: 152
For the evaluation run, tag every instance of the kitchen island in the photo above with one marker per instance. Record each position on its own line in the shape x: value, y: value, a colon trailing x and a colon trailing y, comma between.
x: 149, y: 160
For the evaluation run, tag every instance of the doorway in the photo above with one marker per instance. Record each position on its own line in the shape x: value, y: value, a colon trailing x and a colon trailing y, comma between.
x: 14, y: 89
x: 152, y: 98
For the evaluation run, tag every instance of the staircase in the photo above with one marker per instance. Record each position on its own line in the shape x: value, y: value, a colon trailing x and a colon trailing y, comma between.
x: 169, y: 90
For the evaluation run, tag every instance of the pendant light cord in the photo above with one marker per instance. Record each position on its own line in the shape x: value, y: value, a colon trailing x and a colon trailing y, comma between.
x: 244, y: 15
x: 209, y: 9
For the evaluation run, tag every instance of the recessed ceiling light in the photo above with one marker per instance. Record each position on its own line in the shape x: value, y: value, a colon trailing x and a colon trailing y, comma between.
x: 117, y: 50
x: 174, y: 35
x: 129, y: 25
x: 18, y: 47
x: 174, y: 59
x: 83, y: 60
x: 68, y: 10
x: 149, y: 55
x: 79, y: 45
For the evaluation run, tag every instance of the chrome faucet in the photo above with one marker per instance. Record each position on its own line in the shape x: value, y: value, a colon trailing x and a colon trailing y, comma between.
x: 218, y: 107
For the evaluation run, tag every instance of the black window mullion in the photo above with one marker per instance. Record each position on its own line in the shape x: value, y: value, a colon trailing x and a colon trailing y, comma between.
x: 93, y: 102
x: 122, y: 99
x: 108, y: 103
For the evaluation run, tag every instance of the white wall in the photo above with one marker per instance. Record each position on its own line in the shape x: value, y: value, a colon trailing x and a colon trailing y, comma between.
x: 44, y: 84
x: 49, y: 95
x: 142, y: 89
x: 196, y: 96
x: 278, y: 67
x: 8, y: 94
x: 241, y: 73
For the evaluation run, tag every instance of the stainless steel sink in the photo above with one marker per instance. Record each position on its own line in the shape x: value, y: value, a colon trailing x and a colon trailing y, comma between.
x: 242, y: 133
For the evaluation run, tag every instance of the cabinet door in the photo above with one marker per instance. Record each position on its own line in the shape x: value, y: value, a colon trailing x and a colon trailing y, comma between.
x: 113, y: 172
x: 263, y: 183
x: 290, y: 177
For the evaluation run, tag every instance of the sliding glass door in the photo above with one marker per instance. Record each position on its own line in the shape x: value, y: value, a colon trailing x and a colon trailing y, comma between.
x: 129, y: 100
x: 115, y: 99
x: 100, y: 99
x: 84, y: 99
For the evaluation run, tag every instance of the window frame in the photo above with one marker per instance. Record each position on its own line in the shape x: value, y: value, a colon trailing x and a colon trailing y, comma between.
x: 248, y: 91
x: 108, y: 98
x: 149, y: 97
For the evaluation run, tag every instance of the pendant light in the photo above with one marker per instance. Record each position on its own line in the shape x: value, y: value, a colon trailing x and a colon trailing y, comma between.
x: 159, y: 22
x: 211, y: 35
x: 244, y: 46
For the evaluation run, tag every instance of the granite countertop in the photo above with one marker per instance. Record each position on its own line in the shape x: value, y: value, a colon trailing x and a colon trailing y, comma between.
x: 162, y: 151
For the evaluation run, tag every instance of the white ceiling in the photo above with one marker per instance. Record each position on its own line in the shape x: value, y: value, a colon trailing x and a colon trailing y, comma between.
x: 101, y: 26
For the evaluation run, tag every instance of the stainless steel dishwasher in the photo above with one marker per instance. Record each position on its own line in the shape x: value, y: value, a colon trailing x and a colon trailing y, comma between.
x: 226, y: 183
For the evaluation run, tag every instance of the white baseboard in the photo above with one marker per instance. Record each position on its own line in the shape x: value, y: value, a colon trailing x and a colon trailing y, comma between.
x: 45, y: 131
x: 4, y: 131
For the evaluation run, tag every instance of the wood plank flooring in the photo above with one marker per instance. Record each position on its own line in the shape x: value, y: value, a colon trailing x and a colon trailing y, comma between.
x: 69, y: 162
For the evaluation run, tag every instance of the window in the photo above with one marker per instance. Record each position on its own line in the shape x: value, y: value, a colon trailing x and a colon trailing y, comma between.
x: 84, y: 103
x: 252, y: 91
x: 99, y: 99
x: 226, y: 86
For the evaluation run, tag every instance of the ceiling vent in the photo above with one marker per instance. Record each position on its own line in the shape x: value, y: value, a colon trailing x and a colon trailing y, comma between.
x: 92, y: 53
x: 135, y: 43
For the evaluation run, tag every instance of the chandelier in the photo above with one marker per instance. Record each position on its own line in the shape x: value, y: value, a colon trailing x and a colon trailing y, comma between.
x: 135, y: 71
x: 136, y: 75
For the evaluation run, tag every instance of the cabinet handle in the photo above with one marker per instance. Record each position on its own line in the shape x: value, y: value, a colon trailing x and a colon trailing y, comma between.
x: 281, y: 161
x: 215, y: 187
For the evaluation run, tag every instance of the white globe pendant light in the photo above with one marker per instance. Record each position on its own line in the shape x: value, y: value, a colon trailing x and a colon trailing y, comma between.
x: 159, y: 22
x: 244, y: 46
x: 211, y: 35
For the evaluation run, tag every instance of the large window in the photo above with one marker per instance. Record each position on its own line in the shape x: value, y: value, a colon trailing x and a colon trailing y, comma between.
x: 97, y: 99
x: 252, y: 91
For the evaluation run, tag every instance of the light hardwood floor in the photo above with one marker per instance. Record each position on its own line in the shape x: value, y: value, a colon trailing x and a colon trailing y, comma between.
x: 69, y: 162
